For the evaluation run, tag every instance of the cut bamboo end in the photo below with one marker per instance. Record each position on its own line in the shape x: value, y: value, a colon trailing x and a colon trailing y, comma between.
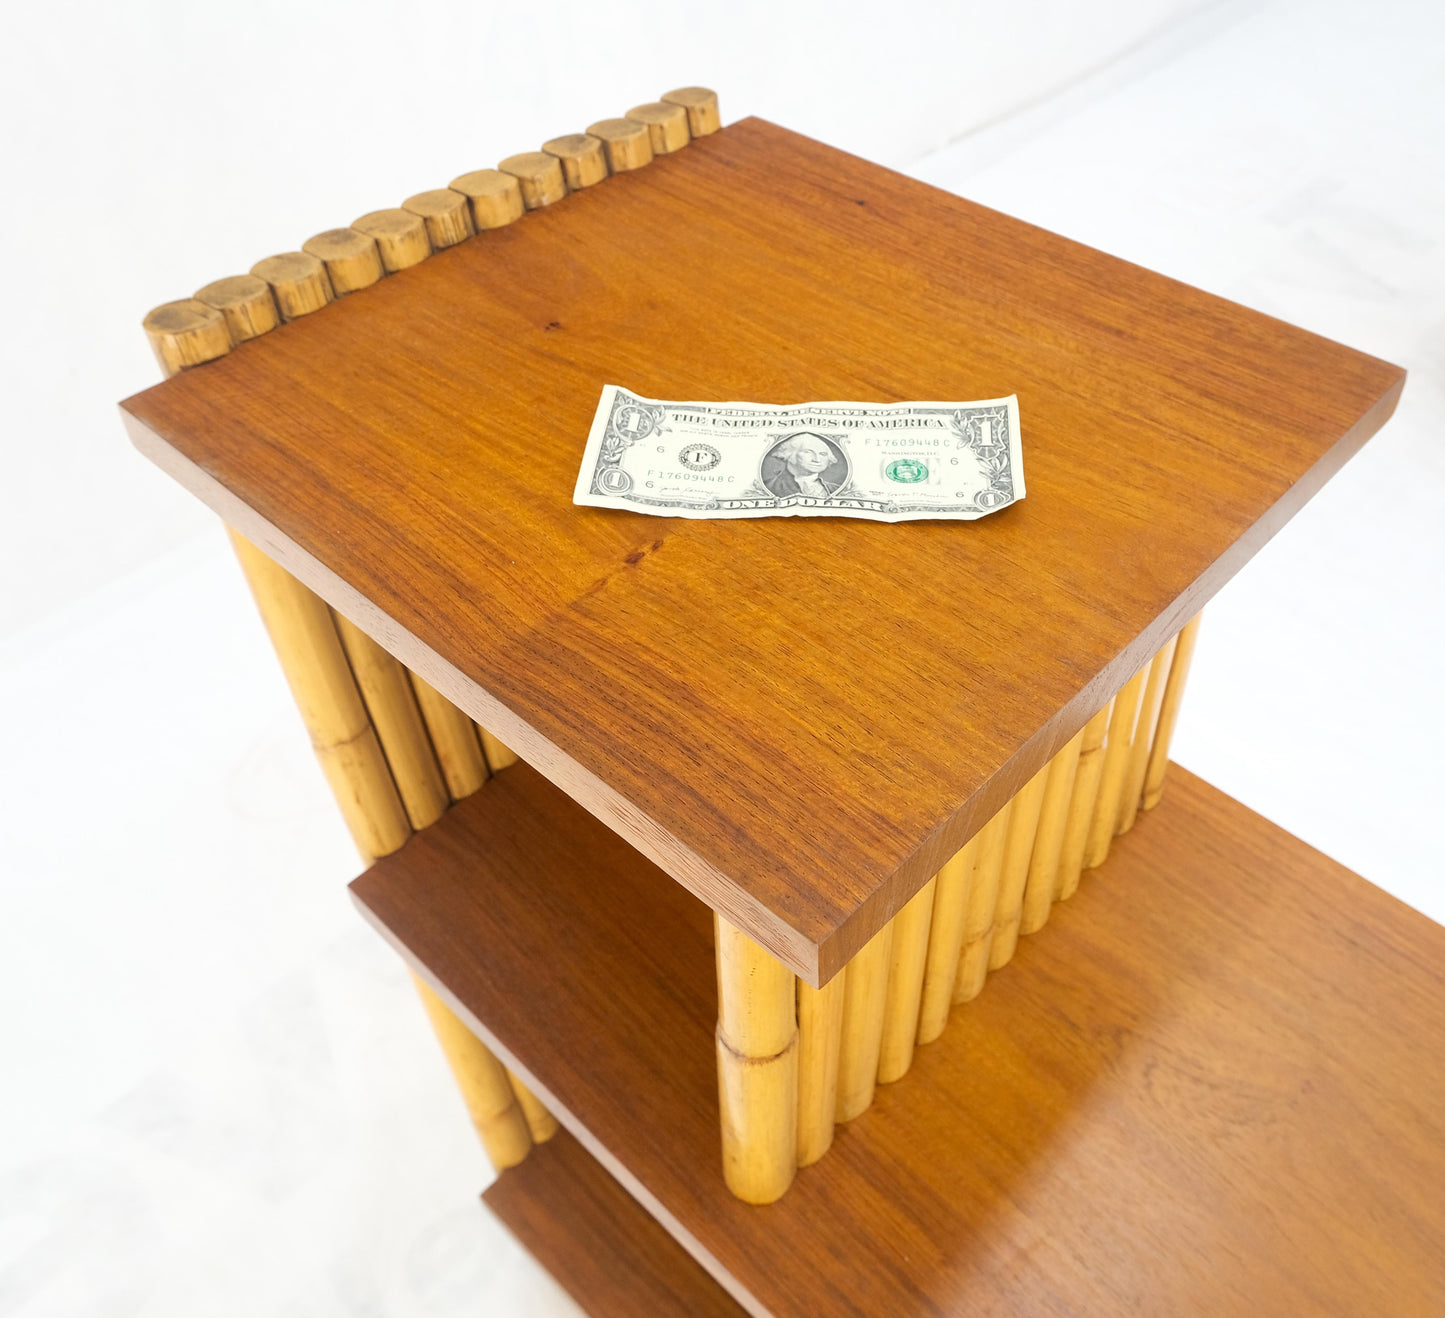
x: 447, y: 214
x: 1081, y: 802
x: 756, y: 997
x: 486, y: 1090
x: 454, y: 738
x: 1149, y: 708
x: 628, y: 143
x: 1023, y: 828
x: 246, y: 303
x: 906, y: 962
x: 539, y: 176
x: 499, y: 756
x: 392, y: 705
x: 1169, y: 713
x: 495, y: 197
x: 982, y: 905
x: 1116, y: 762
x: 865, y: 993
x: 401, y: 237
x: 541, y: 1124
x: 583, y: 159
x: 1043, y: 879
x: 758, y: 1103
x: 185, y: 334
x: 820, y: 1036
x: 945, y: 940
x: 666, y: 125
x: 298, y: 282
x: 351, y: 258
x: 701, y: 106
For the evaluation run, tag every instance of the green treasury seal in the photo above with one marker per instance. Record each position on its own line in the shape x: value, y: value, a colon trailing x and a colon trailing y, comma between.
x: 906, y: 471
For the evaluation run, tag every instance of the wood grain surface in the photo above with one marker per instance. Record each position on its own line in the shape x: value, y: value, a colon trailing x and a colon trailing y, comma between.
x: 1211, y: 1087
x: 799, y: 719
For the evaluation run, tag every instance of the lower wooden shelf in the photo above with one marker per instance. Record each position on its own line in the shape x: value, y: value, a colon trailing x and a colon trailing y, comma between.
x: 1211, y: 1085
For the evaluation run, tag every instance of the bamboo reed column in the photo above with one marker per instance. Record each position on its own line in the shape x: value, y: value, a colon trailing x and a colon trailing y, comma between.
x: 401, y: 238
x: 757, y: 1056
x: 1023, y: 827
x: 701, y: 106
x: 299, y: 283
x: 666, y: 125
x: 864, y: 1001
x: 982, y: 903
x: 1169, y: 713
x: 487, y: 1091
x: 447, y: 215
x: 498, y: 755
x: 539, y: 175
x: 945, y: 940
x: 1143, y: 735
x: 584, y: 162
x: 907, y: 959
x: 1081, y: 802
x: 454, y: 737
x: 628, y: 143
x: 1043, y: 881
x: 246, y: 303
x: 185, y: 334
x: 351, y: 258
x: 496, y: 197
x: 541, y: 1124
x: 820, y: 1038
x: 1116, y: 763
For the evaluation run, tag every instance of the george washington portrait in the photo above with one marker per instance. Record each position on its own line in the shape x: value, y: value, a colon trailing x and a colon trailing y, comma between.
x: 805, y: 463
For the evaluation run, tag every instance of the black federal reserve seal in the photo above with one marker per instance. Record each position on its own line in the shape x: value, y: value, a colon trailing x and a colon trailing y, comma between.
x: 698, y: 456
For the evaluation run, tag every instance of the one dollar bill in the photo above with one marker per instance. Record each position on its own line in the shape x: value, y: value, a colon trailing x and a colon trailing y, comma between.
x: 887, y: 462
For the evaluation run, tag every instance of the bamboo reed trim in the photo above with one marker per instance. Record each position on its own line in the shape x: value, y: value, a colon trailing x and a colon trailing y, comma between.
x: 904, y: 994
x: 757, y: 1054
x: 701, y: 106
x: 454, y: 738
x: 321, y: 681
x: 496, y: 197
x: 982, y: 902
x: 1143, y: 735
x: 1023, y: 829
x: 628, y: 143
x: 820, y: 1037
x: 1081, y: 802
x: 864, y: 1002
x: 541, y: 1124
x: 666, y: 125
x: 401, y: 237
x: 185, y: 334
x: 298, y: 282
x: 246, y: 303
x: 394, y: 714
x: 486, y: 1090
x: 447, y: 214
x: 583, y: 159
x: 539, y: 175
x: 351, y: 258
x: 1169, y: 713
x: 1116, y: 763
x: 1043, y: 881
x: 945, y: 940
x: 499, y: 756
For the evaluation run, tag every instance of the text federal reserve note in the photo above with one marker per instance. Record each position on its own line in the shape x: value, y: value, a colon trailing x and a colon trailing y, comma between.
x: 887, y: 462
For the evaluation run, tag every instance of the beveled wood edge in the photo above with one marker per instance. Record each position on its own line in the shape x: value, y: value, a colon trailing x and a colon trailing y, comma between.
x: 814, y: 960
x: 616, y: 1169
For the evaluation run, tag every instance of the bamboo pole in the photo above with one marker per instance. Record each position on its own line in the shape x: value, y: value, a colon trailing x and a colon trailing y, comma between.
x: 494, y: 1109
x: 351, y: 258
x: 185, y: 334
x: 1111, y: 780
x: 666, y: 125
x: 583, y: 160
x: 541, y: 1124
x: 539, y: 175
x: 628, y: 144
x: 1169, y: 713
x: 1023, y: 828
x: 447, y: 215
x: 299, y: 283
x: 246, y: 303
x: 820, y: 1037
x: 321, y: 681
x: 864, y: 1001
x: 904, y: 994
x: 392, y: 704
x: 757, y: 1054
x: 401, y: 237
x: 498, y: 755
x: 701, y: 106
x: 1081, y: 802
x: 982, y: 902
x: 496, y: 198
x: 1143, y: 735
x: 945, y: 940
x: 454, y: 738
x: 1043, y: 882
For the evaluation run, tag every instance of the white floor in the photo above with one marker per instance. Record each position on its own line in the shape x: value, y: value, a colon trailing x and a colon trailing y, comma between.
x: 220, y: 1094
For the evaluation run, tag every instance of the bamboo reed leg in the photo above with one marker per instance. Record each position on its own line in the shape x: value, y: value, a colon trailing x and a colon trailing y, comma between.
x: 1111, y: 780
x: 666, y: 123
x: 1043, y: 881
x: 455, y: 738
x: 1169, y: 713
x: 627, y: 143
x: 945, y: 940
x: 185, y: 334
x: 982, y: 903
x: 701, y: 106
x: 1143, y: 735
x: 820, y: 1036
x: 483, y: 1081
x: 398, y: 722
x: 757, y: 1054
x: 499, y: 757
x: 541, y: 1124
x: 246, y: 303
x: 904, y: 993
x: 864, y: 1001
x: 1023, y: 828
x: 1081, y: 802
x: 316, y: 668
